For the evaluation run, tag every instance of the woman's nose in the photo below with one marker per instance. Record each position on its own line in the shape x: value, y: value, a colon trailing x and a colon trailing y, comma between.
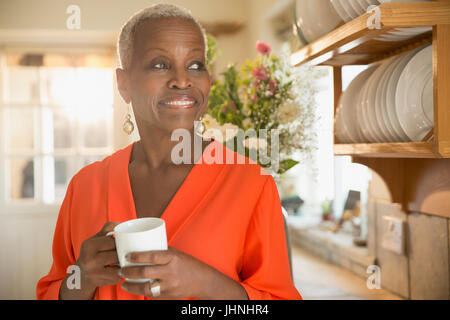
x: 180, y: 80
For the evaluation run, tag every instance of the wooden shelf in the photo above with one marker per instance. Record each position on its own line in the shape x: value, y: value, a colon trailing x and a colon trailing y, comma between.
x: 387, y: 150
x: 416, y: 173
x: 354, y: 43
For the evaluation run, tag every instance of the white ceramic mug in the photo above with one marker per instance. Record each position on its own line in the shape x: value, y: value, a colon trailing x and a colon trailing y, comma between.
x: 143, y: 234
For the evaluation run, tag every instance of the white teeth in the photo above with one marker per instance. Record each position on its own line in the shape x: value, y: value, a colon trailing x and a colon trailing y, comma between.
x: 180, y: 103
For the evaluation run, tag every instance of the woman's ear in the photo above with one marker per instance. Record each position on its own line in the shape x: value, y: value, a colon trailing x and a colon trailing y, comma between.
x: 123, y: 84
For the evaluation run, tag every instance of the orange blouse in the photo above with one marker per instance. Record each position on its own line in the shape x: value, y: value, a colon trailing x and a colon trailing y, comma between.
x: 226, y: 215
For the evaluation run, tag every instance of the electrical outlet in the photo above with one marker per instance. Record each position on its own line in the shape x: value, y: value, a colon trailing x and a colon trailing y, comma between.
x: 393, y: 238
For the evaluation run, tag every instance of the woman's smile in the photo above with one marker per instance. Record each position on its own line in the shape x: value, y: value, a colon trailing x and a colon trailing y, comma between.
x: 178, y: 102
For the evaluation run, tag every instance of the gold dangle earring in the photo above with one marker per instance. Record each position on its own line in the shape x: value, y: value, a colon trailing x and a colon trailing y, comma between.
x: 128, y: 125
x: 200, y: 127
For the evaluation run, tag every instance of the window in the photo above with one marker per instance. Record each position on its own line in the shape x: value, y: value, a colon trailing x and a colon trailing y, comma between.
x: 333, y: 176
x: 56, y: 116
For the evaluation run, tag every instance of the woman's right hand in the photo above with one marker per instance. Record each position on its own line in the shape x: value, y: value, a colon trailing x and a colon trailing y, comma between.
x: 98, y: 260
x: 98, y: 265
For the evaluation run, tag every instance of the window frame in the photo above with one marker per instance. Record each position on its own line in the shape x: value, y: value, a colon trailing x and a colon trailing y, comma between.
x: 55, y: 42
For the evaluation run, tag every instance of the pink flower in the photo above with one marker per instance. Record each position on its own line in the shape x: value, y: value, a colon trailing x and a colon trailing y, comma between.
x: 272, y: 85
x: 254, y: 97
x: 232, y: 105
x: 263, y: 48
x: 261, y: 73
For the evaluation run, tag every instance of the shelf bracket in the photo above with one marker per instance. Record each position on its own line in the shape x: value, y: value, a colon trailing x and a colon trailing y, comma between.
x: 418, y: 185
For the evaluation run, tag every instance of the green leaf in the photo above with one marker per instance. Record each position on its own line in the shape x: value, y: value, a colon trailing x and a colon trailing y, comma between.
x: 287, y: 164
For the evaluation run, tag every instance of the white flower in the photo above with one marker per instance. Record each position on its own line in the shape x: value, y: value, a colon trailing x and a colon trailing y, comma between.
x: 210, y: 122
x: 247, y: 123
x: 282, y: 77
x: 287, y: 112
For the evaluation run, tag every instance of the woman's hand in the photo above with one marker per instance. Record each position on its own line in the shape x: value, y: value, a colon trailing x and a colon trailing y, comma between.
x: 98, y: 265
x: 98, y: 258
x: 179, y: 276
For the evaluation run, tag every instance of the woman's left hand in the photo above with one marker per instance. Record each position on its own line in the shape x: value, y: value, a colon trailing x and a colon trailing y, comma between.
x: 178, y: 274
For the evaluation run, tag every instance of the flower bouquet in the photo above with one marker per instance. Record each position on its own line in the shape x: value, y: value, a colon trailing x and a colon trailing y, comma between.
x: 270, y: 99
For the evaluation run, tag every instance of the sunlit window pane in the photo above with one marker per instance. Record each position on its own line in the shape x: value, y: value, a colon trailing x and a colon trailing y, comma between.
x: 96, y: 84
x: 22, y: 85
x: 94, y: 126
x: 80, y: 87
x: 19, y: 129
x: 64, y: 170
x: 60, y: 86
x: 63, y: 122
x: 21, y: 182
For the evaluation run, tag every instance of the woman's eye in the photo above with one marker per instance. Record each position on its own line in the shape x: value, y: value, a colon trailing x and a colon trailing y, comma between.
x: 196, y: 66
x: 159, y: 65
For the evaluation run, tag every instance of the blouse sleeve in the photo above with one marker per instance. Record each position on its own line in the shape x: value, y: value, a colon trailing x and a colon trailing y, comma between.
x: 63, y: 255
x: 265, y: 273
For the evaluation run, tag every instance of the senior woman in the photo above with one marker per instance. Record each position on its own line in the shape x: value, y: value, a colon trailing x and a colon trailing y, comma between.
x: 224, y: 222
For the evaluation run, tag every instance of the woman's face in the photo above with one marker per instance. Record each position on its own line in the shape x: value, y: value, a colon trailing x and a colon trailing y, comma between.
x: 168, y: 82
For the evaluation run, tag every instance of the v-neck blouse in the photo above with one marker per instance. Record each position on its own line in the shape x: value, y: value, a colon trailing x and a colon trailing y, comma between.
x: 226, y: 215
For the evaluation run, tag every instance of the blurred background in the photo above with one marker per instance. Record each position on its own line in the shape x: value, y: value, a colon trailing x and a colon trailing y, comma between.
x: 60, y: 110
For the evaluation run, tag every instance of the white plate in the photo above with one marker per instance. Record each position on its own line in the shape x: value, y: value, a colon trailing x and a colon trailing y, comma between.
x: 363, y: 119
x: 316, y: 18
x: 372, y: 2
x: 366, y: 3
x: 349, y: 9
x: 380, y: 98
x: 340, y: 10
x: 399, y: 34
x: 414, y: 95
x: 375, y: 118
x: 349, y: 106
x: 357, y: 6
x: 391, y: 86
x: 340, y: 130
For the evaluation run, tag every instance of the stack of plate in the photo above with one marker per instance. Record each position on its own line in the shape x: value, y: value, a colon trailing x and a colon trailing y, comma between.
x: 351, y: 9
x: 391, y: 101
x: 314, y: 19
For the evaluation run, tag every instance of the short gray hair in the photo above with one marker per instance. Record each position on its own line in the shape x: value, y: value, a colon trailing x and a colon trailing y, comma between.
x: 125, y: 43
